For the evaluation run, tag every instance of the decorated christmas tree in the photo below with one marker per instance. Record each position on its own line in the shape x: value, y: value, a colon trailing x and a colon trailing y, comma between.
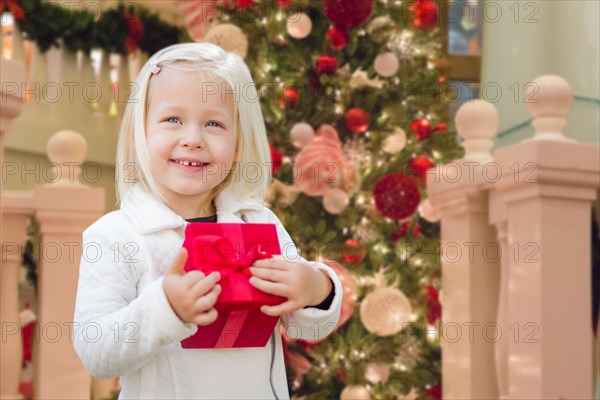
x: 354, y: 99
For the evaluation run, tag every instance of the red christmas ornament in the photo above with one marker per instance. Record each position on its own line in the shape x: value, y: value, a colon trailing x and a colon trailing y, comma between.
x: 348, y: 13
x: 420, y: 164
x: 396, y: 196
x: 434, y: 392
x: 426, y: 13
x: 402, y: 230
x: 327, y: 64
x: 283, y: 3
x: 353, y: 252
x: 290, y: 95
x: 421, y: 127
x: 434, y: 307
x: 243, y: 4
x: 357, y: 120
x: 338, y: 38
x: 442, y: 79
x: 276, y: 158
x: 441, y: 127
x: 135, y: 31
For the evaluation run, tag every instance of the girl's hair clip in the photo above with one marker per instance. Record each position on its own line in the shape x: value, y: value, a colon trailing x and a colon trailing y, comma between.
x: 155, y: 69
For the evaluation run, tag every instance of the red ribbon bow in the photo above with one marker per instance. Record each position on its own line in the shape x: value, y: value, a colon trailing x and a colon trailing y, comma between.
x: 217, y: 253
x: 14, y: 8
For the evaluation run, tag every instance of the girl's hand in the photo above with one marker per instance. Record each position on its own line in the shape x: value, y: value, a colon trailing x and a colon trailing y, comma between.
x: 301, y: 283
x: 192, y: 295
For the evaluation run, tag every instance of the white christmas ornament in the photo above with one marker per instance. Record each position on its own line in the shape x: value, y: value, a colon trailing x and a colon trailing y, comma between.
x: 229, y: 37
x: 377, y: 372
x: 299, y: 25
x: 360, y: 78
x: 386, y: 64
x: 379, y: 22
x: 335, y: 201
x: 302, y: 134
x: 385, y: 311
x: 428, y: 212
x: 394, y: 142
x: 355, y: 392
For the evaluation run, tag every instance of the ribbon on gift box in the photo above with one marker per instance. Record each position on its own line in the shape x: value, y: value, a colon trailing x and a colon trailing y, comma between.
x: 215, y: 252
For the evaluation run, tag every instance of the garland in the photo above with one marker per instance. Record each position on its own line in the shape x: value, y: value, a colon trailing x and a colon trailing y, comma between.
x: 122, y: 29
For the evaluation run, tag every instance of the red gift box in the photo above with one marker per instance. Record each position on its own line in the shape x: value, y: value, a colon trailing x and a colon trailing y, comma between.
x: 231, y: 249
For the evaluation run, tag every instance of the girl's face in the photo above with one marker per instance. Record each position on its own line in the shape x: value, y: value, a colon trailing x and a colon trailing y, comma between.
x: 189, y: 119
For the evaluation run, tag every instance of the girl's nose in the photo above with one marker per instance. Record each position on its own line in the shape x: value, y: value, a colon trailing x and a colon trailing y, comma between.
x: 193, y: 138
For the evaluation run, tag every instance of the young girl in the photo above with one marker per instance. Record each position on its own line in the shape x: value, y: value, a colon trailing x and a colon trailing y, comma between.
x: 194, y: 148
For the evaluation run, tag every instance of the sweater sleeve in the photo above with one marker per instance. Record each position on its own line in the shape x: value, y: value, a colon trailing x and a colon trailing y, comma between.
x: 309, y: 323
x: 116, y: 329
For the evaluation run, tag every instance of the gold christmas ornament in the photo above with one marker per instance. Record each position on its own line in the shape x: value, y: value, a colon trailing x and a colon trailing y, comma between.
x: 386, y: 64
x: 377, y: 372
x: 301, y: 134
x: 385, y: 311
x: 394, y: 142
x: 229, y: 37
x: 335, y: 201
x: 299, y: 25
x: 355, y: 392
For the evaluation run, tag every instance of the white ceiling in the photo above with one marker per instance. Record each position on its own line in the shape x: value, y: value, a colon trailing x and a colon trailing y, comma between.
x: 168, y: 10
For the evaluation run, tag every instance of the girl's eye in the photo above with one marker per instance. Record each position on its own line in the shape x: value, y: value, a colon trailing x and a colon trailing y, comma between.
x: 172, y: 118
x: 215, y: 122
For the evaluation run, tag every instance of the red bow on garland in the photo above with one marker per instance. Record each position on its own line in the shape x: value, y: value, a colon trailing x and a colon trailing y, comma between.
x: 14, y: 8
x: 136, y: 31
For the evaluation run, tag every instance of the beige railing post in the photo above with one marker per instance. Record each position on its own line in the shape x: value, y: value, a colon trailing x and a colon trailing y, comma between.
x: 547, y: 187
x: 469, y: 274
x: 64, y: 209
x: 15, y: 209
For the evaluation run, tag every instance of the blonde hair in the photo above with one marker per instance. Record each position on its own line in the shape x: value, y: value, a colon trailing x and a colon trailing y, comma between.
x: 252, y: 146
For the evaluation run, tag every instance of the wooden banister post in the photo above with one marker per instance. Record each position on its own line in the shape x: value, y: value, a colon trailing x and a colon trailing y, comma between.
x: 64, y: 209
x: 15, y: 209
x: 469, y: 275
x: 547, y: 186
